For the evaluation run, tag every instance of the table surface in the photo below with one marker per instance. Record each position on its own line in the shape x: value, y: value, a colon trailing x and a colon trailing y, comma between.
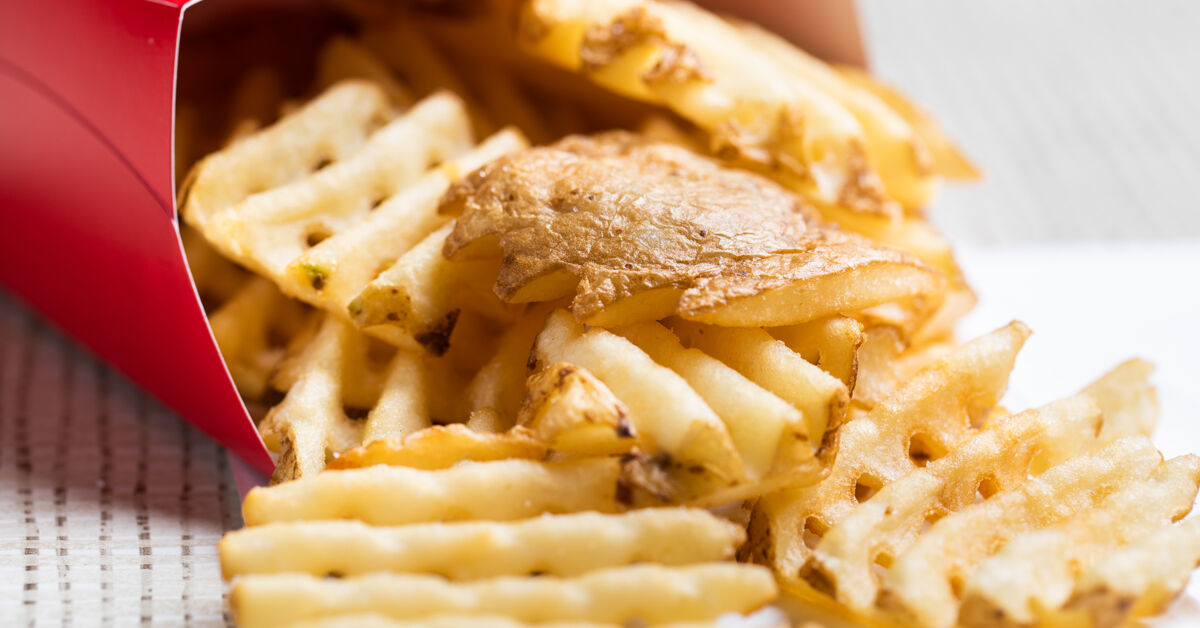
x: 1080, y: 112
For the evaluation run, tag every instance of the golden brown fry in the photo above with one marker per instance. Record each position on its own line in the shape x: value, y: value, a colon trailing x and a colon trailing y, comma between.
x: 1138, y: 580
x: 499, y: 386
x: 330, y: 127
x: 925, y: 418
x: 770, y: 435
x: 312, y: 420
x: 572, y: 411
x: 651, y: 593
x: 268, y: 230
x: 993, y: 460
x: 1005, y: 586
x: 252, y: 329
x: 695, y: 239
x: 830, y: 343
x: 441, y: 447
x: 559, y: 545
x: 948, y: 161
x: 771, y: 364
x: 920, y: 583
x: 667, y: 414
x: 499, y: 491
x: 1127, y: 399
x: 375, y: 620
x: 342, y: 58
x: 333, y: 272
x: 762, y: 100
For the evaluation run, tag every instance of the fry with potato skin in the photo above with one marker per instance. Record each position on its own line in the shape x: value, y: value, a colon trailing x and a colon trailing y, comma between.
x: 350, y: 259
x: 243, y: 327
x: 268, y: 230
x: 572, y: 411
x: 802, y: 319
x: 761, y: 100
x: 687, y: 429
x: 948, y: 161
x: 499, y: 387
x: 363, y: 203
x: 635, y: 231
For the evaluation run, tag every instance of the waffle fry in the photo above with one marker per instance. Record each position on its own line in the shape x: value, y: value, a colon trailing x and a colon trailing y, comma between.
x: 831, y: 343
x: 651, y: 593
x: 330, y: 127
x: 772, y: 365
x: 770, y: 435
x: 947, y: 160
x: 345, y: 389
x: 498, y: 491
x: 342, y: 58
x: 252, y: 329
x: 1002, y: 586
x: 680, y: 251
x: 441, y: 447
x: 324, y: 237
x: 977, y: 497
x: 841, y: 565
x: 911, y: 234
x: 423, y: 293
x: 560, y: 545
x: 1127, y: 399
x: 686, y: 428
x: 1139, y: 579
x: 928, y: 416
x: 572, y: 411
x: 761, y: 99
x: 876, y: 374
x: 375, y: 620
x: 499, y: 388
x: 335, y: 379
x: 677, y: 55
x: 920, y: 583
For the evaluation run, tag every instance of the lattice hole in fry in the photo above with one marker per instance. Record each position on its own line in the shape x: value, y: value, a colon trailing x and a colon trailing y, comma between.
x: 922, y: 450
x: 876, y: 445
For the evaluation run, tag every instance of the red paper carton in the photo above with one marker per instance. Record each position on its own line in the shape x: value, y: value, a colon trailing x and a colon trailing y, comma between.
x: 90, y: 236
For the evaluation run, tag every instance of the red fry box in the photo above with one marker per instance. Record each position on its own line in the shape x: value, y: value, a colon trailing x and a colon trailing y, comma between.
x: 90, y: 236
